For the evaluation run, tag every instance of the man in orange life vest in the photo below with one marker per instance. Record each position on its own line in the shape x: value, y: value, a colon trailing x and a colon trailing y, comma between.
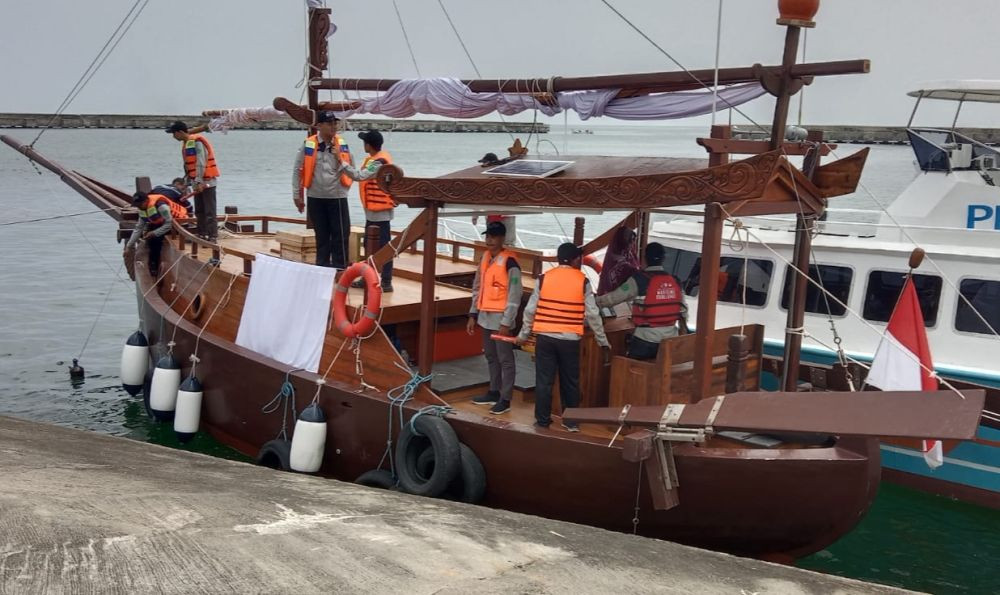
x: 202, y: 173
x: 555, y: 313
x: 156, y: 214
x: 323, y: 173
x: 496, y: 296
x: 379, y: 206
x: 658, y: 307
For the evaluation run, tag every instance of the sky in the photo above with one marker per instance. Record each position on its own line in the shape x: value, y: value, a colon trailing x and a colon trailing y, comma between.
x: 243, y: 53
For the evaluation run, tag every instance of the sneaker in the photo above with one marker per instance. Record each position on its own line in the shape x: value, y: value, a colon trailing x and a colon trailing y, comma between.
x: 542, y: 426
x: 571, y: 426
x: 387, y: 288
x: 500, y: 407
x: 487, y: 399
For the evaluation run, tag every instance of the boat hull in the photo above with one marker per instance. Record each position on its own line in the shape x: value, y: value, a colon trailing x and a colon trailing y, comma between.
x: 778, y: 504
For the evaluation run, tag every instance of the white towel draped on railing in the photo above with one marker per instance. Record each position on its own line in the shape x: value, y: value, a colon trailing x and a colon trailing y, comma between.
x: 452, y: 98
x: 286, y: 311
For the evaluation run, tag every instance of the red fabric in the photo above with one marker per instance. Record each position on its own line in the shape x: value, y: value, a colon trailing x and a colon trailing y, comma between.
x: 907, y: 326
x: 620, y: 261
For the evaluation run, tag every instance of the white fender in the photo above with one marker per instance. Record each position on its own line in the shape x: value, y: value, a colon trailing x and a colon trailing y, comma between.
x: 135, y: 362
x: 163, y: 388
x: 187, y: 417
x: 308, y: 440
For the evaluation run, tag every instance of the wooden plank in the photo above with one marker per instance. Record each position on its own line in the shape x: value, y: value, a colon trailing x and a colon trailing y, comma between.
x: 942, y: 415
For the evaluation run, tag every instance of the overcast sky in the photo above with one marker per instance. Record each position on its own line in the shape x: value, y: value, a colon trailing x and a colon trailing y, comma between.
x: 246, y: 52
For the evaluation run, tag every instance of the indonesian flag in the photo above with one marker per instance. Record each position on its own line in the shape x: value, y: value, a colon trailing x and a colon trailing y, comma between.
x: 903, y: 359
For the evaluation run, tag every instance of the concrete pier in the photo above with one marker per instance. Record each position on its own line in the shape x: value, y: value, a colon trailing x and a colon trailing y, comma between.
x: 87, y: 513
x: 160, y: 122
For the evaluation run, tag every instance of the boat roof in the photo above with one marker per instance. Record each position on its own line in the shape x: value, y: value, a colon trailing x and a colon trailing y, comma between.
x: 981, y: 90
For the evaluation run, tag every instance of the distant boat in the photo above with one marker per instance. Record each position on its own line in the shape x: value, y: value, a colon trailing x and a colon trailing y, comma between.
x: 583, y: 131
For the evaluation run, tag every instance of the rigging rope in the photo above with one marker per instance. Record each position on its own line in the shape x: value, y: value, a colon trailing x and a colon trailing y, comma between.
x: 718, y: 45
x: 98, y: 60
x: 406, y: 37
x: 100, y: 312
x: 678, y: 64
x: 5, y: 223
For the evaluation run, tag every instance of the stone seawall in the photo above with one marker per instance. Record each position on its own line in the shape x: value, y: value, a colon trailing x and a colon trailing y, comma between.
x: 873, y: 135
x: 142, y: 121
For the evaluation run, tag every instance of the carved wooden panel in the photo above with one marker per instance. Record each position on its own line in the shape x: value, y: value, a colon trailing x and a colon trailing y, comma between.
x: 741, y: 180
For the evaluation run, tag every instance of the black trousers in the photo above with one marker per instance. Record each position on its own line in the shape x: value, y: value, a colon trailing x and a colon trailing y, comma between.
x: 383, y: 239
x: 332, y: 221
x: 153, y: 247
x: 205, y: 210
x: 640, y: 349
x: 551, y: 356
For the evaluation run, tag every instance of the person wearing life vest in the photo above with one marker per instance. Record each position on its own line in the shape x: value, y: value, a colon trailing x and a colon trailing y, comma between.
x: 202, y: 173
x: 176, y: 193
x: 322, y: 175
x: 658, y: 308
x: 379, y: 206
x: 496, y: 297
x: 560, y: 304
x: 154, y: 222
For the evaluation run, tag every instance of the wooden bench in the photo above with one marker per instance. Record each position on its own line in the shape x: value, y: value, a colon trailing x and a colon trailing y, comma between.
x: 668, y: 378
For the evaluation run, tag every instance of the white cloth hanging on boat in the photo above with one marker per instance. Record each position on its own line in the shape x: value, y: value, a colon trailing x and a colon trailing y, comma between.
x: 452, y: 98
x: 286, y: 311
x: 243, y: 115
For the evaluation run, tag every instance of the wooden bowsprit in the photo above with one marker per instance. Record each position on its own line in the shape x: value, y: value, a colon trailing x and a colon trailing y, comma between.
x: 942, y: 415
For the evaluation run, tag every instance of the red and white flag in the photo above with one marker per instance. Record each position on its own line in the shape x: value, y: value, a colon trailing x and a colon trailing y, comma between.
x: 903, y: 359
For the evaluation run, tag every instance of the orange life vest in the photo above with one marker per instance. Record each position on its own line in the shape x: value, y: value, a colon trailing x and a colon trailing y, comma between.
x: 493, y: 282
x: 150, y: 211
x: 374, y: 198
x: 560, y: 302
x: 189, y: 151
x: 309, y: 160
x: 661, y: 303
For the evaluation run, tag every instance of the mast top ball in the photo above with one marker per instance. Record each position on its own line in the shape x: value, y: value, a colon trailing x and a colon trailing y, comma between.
x: 797, y: 13
x: 916, y: 257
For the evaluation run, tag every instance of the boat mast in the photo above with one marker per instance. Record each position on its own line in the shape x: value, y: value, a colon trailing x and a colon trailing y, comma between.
x: 319, y: 28
x: 786, y: 86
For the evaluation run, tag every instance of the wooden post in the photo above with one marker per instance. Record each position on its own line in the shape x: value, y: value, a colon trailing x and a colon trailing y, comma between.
x: 263, y: 224
x: 428, y: 320
x: 723, y: 131
x: 796, y: 305
x: 642, y: 227
x: 319, y: 26
x: 231, y: 210
x: 578, y: 231
x: 708, y: 289
x: 371, y: 240
x: 736, y: 364
x: 786, y: 87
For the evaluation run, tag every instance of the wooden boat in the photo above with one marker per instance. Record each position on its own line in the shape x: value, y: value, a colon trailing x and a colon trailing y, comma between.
x: 686, y: 448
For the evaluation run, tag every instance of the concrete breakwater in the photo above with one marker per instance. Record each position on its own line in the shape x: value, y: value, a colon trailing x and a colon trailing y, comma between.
x: 152, y: 121
x: 872, y: 135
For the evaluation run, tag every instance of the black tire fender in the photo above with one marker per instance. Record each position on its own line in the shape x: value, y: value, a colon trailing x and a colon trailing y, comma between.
x: 275, y: 454
x: 437, y: 434
x: 469, y: 486
x: 377, y: 478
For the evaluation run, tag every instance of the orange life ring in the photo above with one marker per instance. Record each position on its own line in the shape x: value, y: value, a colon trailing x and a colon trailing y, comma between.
x: 372, y: 308
x: 591, y: 261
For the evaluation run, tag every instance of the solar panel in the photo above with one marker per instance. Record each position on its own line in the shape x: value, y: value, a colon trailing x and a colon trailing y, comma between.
x: 529, y: 168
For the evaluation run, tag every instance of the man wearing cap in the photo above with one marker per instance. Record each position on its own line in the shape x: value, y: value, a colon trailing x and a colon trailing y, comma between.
x: 202, y: 173
x: 556, y: 313
x: 496, y: 296
x: 154, y: 223
x: 658, y: 307
x: 321, y: 177
x: 379, y: 206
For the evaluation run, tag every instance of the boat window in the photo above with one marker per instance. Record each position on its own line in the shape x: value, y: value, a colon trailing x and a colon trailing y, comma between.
x: 884, y: 288
x: 836, y: 280
x: 985, y: 298
x: 735, y: 275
